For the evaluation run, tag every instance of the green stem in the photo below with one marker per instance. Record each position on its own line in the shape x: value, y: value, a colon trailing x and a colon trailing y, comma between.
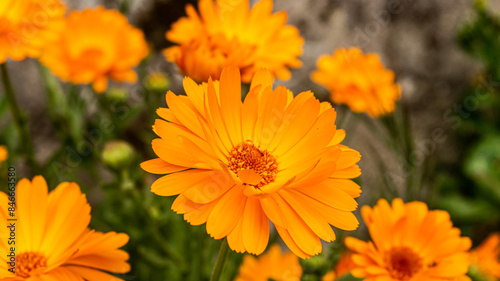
x: 221, y: 260
x: 20, y: 119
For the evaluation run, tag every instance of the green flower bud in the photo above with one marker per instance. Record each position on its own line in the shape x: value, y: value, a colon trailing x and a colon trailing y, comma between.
x: 157, y: 81
x: 118, y: 154
x: 117, y: 93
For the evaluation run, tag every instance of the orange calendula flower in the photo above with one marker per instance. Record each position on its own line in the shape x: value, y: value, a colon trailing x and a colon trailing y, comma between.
x: 485, y: 257
x: 52, y: 240
x: 343, y: 267
x: 410, y: 243
x: 3, y: 153
x: 26, y: 26
x: 359, y: 81
x: 271, y: 265
x: 227, y: 33
x: 345, y: 264
x: 96, y: 44
x: 236, y: 166
x: 329, y: 276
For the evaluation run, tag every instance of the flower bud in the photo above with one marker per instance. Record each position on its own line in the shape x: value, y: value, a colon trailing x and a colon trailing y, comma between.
x: 117, y: 154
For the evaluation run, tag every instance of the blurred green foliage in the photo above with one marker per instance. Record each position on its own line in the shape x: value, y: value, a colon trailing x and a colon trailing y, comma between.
x: 470, y: 188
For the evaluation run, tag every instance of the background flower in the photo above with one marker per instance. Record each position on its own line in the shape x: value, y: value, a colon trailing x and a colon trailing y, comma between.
x: 359, y: 81
x: 96, y: 44
x: 485, y: 257
x: 273, y: 265
x: 238, y: 165
x: 227, y: 33
x: 3, y: 153
x: 27, y: 26
x: 410, y: 243
x: 52, y: 239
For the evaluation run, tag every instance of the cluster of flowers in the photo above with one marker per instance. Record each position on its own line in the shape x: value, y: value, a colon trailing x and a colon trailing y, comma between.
x: 234, y: 165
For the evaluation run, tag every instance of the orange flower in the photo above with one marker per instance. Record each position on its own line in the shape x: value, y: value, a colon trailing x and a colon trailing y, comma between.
x: 96, y: 44
x: 271, y: 265
x: 410, y: 243
x: 52, y: 240
x: 343, y: 267
x: 329, y: 276
x: 227, y: 33
x: 485, y: 257
x: 359, y: 81
x: 238, y: 165
x: 4, y: 153
x: 25, y: 26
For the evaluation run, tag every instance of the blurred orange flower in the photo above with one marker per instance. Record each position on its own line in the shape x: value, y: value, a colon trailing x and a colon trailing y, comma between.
x: 271, y: 265
x: 329, y: 276
x: 227, y: 33
x: 410, y: 243
x: 96, y: 44
x: 343, y: 267
x: 3, y: 153
x: 238, y: 165
x: 485, y: 257
x: 53, y: 241
x: 359, y: 81
x: 25, y: 26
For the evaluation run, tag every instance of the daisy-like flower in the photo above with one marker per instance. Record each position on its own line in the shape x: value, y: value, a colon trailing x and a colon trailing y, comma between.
x: 26, y: 26
x: 52, y: 240
x: 359, y: 81
x: 3, y: 153
x: 410, y: 243
x: 485, y: 258
x: 237, y: 166
x: 272, y: 265
x: 96, y: 44
x: 227, y: 33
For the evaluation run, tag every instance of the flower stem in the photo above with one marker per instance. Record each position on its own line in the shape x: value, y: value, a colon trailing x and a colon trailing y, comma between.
x: 221, y: 260
x: 20, y: 119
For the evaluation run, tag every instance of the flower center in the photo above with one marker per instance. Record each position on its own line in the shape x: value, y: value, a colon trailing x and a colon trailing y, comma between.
x: 402, y: 263
x: 253, y: 166
x: 29, y: 261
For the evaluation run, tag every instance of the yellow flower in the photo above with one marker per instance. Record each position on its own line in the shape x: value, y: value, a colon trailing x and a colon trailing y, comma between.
x: 4, y: 154
x: 52, y: 239
x: 359, y: 81
x: 96, y: 44
x: 410, y: 243
x: 227, y: 33
x: 26, y: 26
x: 271, y: 265
x: 238, y: 165
x: 485, y: 257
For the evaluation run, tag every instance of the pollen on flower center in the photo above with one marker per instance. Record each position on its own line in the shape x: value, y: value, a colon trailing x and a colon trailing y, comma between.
x: 253, y: 166
x: 403, y: 263
x: 29, y: 261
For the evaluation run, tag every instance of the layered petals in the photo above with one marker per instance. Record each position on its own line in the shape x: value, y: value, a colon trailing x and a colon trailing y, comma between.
x: 224, y: 34
x: 53, y: 241
x: 359, y: 81
x: 95, y: 45
x: 410, y: 243
x: 239, y: 166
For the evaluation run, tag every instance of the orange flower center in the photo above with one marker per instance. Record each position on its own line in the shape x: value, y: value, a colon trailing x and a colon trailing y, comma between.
x: 29, y: 261
x: 253, y: 166
x: 403, y: 263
